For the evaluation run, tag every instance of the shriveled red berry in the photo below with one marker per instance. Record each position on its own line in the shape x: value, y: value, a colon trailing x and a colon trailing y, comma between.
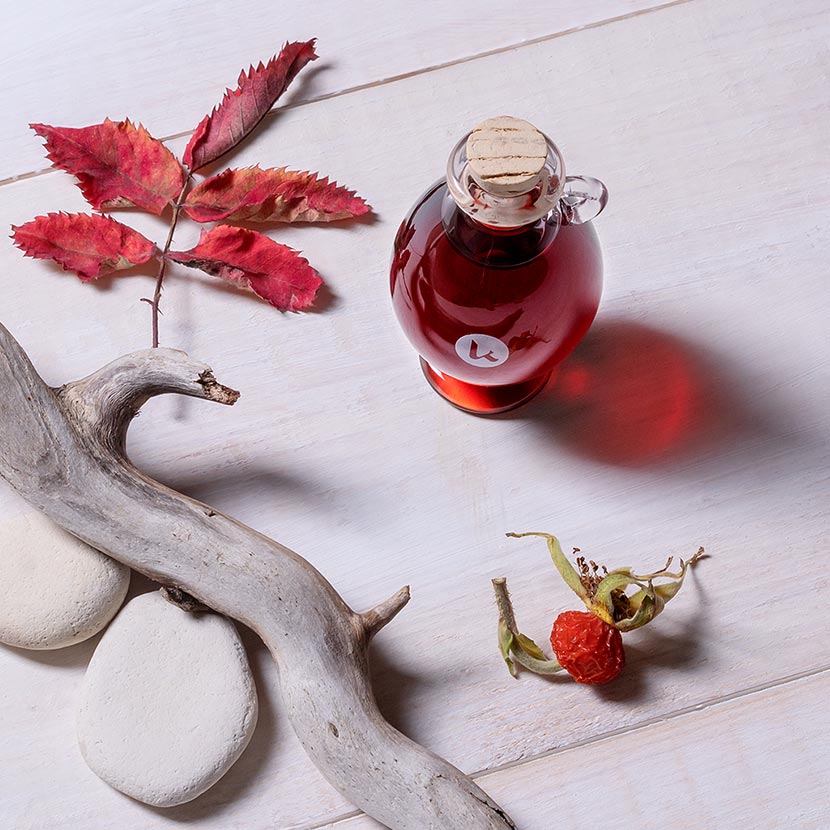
x: 588, y: 648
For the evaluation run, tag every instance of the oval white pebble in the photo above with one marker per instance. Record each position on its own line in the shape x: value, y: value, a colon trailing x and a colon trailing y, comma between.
x: 168, y: 704
x: 56, y: 590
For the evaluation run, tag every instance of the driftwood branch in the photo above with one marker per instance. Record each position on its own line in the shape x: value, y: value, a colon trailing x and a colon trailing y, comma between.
x: 63, y: 450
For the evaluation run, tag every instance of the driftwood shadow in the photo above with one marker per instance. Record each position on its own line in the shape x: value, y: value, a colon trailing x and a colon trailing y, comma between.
x: 229, y: 488
x: 394, y: 688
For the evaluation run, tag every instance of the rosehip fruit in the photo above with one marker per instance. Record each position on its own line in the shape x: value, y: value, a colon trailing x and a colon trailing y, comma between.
x: 589, y: 649
x: 588, y: 644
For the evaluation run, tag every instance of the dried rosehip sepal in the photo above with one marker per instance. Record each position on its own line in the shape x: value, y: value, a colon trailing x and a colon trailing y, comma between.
x: 589, y: 646
x: 515, y: 647
x: 606, y: 596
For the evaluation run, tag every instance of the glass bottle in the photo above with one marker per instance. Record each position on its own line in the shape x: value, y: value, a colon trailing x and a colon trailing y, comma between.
x: 496, y: 273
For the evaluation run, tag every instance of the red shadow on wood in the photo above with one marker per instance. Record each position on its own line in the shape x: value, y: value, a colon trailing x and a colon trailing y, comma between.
x: 631, y: 395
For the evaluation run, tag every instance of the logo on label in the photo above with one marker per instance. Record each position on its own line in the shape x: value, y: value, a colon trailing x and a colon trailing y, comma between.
x: 481, y: 350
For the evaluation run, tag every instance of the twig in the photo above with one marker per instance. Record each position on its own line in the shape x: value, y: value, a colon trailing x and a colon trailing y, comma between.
x: 504, y: 604
x: 154, y: 303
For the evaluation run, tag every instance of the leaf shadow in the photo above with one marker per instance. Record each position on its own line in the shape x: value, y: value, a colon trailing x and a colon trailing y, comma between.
x: 229, y: 491
x: 325, y: 300
x: 301, y: 92
x: 106, y: 282
x: 304, y: 91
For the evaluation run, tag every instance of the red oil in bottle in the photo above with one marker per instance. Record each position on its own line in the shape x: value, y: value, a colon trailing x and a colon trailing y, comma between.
x: 491, y: 310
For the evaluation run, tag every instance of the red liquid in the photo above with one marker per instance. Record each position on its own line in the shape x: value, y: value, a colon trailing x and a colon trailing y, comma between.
x: 457, y: 284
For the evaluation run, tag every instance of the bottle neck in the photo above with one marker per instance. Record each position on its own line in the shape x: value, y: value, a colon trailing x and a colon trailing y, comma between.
x: 499, y: 210
x: 547, y: 193
x: 495, y: 246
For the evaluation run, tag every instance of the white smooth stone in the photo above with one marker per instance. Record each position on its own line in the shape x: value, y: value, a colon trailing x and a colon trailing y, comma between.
x: 168, y: 704
x: 55, y: 590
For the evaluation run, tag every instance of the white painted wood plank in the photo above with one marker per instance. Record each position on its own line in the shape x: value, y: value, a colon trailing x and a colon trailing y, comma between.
x: 711, y: 142
x: 167, y: 63
x: 762, y: 761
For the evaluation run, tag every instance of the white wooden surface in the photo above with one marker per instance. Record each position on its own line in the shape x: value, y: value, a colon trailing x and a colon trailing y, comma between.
x: 168, y: 61
x: 695, y: 413
x: 693, y: 770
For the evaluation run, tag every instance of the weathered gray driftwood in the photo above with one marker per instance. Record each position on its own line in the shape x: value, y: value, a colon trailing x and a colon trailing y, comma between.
x: 63, y: 450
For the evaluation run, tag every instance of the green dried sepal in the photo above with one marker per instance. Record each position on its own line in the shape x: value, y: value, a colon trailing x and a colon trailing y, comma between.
x: 529, y: 647
x: 514, y: 646
x: 565, y: 568
x: 636, y: 599
x: 668, y: 591
x: 545, y: 667
x: 526, y: 653
x: 506, y: 646
x: 661, y: 594
x: 614, y: 581
x: 645, y: 613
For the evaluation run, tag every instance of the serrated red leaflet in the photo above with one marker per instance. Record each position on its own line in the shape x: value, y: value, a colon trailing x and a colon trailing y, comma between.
x: 271, y: 195
x: 244, y: 107
x: 116, y: 163
x: 271, y: 270
x: 89, y: 245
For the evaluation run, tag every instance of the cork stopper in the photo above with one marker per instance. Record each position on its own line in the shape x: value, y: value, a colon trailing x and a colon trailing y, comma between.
x: 506, y: 155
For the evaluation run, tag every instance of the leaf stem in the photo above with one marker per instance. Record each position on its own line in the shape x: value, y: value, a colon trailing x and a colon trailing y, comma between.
x: 174, y: 219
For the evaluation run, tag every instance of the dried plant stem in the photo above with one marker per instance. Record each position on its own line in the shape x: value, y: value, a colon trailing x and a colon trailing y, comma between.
x: 504, y: 604
x: 174, y: 219
x: 515, y: 646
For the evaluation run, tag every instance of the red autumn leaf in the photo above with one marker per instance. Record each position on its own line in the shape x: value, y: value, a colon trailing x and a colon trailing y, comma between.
x: 272, y: 271
x: 89, y: 245
x: 273, y: 195
x: 244, y: 107
x: 116, y: 163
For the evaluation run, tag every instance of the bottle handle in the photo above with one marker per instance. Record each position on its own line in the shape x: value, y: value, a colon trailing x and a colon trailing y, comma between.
x: 583, y: 199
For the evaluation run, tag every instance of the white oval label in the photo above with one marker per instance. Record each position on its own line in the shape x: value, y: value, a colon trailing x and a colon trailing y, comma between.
x: 481, y: 350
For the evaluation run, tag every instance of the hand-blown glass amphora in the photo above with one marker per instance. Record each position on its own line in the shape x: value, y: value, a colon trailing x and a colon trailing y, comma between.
x: 497, y: 273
